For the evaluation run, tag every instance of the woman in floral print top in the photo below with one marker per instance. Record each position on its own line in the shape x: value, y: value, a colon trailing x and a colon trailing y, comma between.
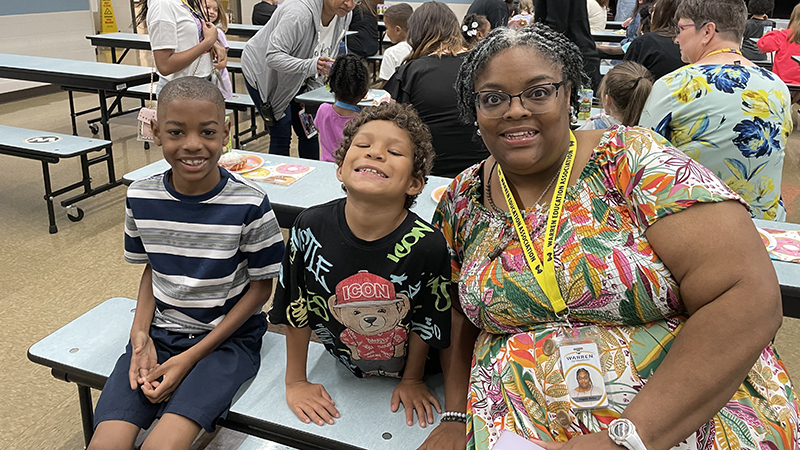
x: 652, y: 252
x: 722, y: 110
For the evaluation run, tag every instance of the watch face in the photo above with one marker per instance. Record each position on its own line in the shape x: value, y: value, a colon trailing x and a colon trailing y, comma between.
x: 621, y: 429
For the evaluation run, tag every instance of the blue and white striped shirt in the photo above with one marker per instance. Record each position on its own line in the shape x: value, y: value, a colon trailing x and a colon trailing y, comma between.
x: 204, y: 249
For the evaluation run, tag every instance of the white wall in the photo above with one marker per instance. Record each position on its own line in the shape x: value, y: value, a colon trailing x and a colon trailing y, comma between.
x: 56, y: 35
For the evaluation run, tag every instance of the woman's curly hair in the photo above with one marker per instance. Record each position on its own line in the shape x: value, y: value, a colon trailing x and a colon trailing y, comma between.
x: 551, y: 44
x: 406, y: 118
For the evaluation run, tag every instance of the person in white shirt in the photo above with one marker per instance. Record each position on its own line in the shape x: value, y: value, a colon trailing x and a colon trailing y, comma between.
x: 598, y: 14
x: 181, y: 36
x: 396, y: 20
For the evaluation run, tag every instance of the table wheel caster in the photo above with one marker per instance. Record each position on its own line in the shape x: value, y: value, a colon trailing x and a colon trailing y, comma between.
x: 77, y: 217
x: 94, y: 128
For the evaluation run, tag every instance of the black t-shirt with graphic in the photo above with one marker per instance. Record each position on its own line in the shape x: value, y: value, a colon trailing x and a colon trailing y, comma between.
x: 363, y: 299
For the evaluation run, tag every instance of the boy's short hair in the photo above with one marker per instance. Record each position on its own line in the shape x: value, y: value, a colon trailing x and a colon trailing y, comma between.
x: 406, y: 118
x: 759, y: 7
x: 398, y: 15
x: 192, y: 88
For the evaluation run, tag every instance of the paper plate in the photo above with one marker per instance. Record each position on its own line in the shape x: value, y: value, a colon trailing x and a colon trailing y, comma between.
x: 369, y: 96
x: 253, y: 163
x: 767, y: 239
x: 787, y: 248
x: 437, y: 193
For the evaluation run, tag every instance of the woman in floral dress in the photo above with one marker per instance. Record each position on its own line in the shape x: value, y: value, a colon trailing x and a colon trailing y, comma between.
x: 722, y: 110
x: 652, y: 254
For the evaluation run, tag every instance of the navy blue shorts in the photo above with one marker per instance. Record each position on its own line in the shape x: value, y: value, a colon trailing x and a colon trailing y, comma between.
x: 204, y: 395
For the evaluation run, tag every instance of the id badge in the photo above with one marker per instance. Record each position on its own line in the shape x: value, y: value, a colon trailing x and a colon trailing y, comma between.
x: 583, y: 374
x: 308, y: 123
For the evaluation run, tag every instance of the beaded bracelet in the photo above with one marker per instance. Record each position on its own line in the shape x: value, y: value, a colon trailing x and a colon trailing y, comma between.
x: 452, y: 416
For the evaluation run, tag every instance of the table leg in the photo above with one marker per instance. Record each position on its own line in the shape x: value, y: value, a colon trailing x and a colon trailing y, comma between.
x: 72, y: 114
x: 48, y: 197
x: 113, y: 55
x: 104, y: 115
x: 87, y: 412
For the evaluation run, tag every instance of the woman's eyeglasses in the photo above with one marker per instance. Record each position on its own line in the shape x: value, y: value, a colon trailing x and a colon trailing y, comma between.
x: 679, y: 29
x: 537, y: 99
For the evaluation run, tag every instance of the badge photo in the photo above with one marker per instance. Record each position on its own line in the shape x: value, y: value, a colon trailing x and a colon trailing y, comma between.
x: 583, y: 376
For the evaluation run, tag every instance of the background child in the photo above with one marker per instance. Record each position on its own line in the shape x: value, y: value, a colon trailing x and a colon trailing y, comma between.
x: 474, y: 27
x: 198, y: 321
x: 396, y: 20
x: 377, y: 292
x: 624, y: 91
x: 755, y: 27
x: 220, y: 75
x: 349, y: 82
x: 785, y: 44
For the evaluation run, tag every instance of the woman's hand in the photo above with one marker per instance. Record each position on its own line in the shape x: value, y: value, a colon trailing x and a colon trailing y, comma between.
x: 324, y: 65
x: 209, y: 32
x: 143, y: 358
x: 627, y: 22
x: 415, y: 396
x: 310, y: 401
x: 447, y: 436
x: 172, y: 372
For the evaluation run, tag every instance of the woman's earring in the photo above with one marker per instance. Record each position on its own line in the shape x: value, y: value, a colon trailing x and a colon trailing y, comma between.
x: 478, y: 130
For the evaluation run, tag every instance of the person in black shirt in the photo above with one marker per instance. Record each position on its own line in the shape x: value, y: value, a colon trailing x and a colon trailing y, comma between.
x: 571, y: 18
x: 365, y: 22
x: 262, y: 11
x: 657, y: 49
x: 426, y: 80
x: 494, y: 10
x: 755, y: 27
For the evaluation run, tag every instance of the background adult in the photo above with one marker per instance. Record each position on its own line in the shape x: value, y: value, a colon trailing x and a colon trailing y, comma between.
x: 365, y: 23
x: 262, y: 11
x: 657, y: 49
x: 181, y: 36
x: 289, y: 56
x: 722, y: 110
x: 646, y: 253
x: 426, y: 80
x: 785, y: 44
x: 755, y: 27
x: 496, y: 11
x: 571, y: 18
x: 598, y: 14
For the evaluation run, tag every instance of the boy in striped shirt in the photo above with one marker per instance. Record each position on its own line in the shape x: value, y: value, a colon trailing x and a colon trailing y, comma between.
x: 212, y: 246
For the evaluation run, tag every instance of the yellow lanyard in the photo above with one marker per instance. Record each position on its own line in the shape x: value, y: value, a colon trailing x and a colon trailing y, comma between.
x: 724, y: 50
x: 544, y: 274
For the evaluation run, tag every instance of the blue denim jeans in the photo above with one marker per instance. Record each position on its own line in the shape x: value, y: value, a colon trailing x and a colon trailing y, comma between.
x: 280, y: 135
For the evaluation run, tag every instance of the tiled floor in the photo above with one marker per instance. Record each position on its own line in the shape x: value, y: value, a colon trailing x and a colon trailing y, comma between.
x: 47, y: 280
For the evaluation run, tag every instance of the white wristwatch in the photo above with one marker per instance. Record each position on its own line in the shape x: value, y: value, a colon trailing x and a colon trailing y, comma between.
x: 623, y: 432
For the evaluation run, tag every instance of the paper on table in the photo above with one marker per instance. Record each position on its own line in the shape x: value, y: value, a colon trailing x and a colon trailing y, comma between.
x: 512, y: 441
x: 786, y: 246
x: 283, y: 174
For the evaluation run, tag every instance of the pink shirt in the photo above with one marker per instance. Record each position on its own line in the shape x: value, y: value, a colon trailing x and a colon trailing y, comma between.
x: 330, y: 125
x: 784, y: 66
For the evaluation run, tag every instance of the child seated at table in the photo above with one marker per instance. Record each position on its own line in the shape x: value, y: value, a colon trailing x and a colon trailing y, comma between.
x: 211, y: 246
x: 623, y: 93
x: 368, y: 276
x: 396, y: 20
x: 349, y: 83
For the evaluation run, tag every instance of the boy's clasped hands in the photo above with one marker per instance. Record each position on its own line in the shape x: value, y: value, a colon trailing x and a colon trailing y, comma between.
x: 145, y: 371
x: 311, y: 402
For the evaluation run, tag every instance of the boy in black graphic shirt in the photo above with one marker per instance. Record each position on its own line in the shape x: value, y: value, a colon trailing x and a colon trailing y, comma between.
x: 367, y: 275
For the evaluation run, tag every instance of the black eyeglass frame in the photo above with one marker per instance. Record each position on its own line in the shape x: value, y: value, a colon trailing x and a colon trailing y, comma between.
x: 511, y: 97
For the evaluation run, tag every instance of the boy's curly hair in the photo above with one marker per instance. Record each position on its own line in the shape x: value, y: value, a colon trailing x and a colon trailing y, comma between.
x: 406, y: 118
